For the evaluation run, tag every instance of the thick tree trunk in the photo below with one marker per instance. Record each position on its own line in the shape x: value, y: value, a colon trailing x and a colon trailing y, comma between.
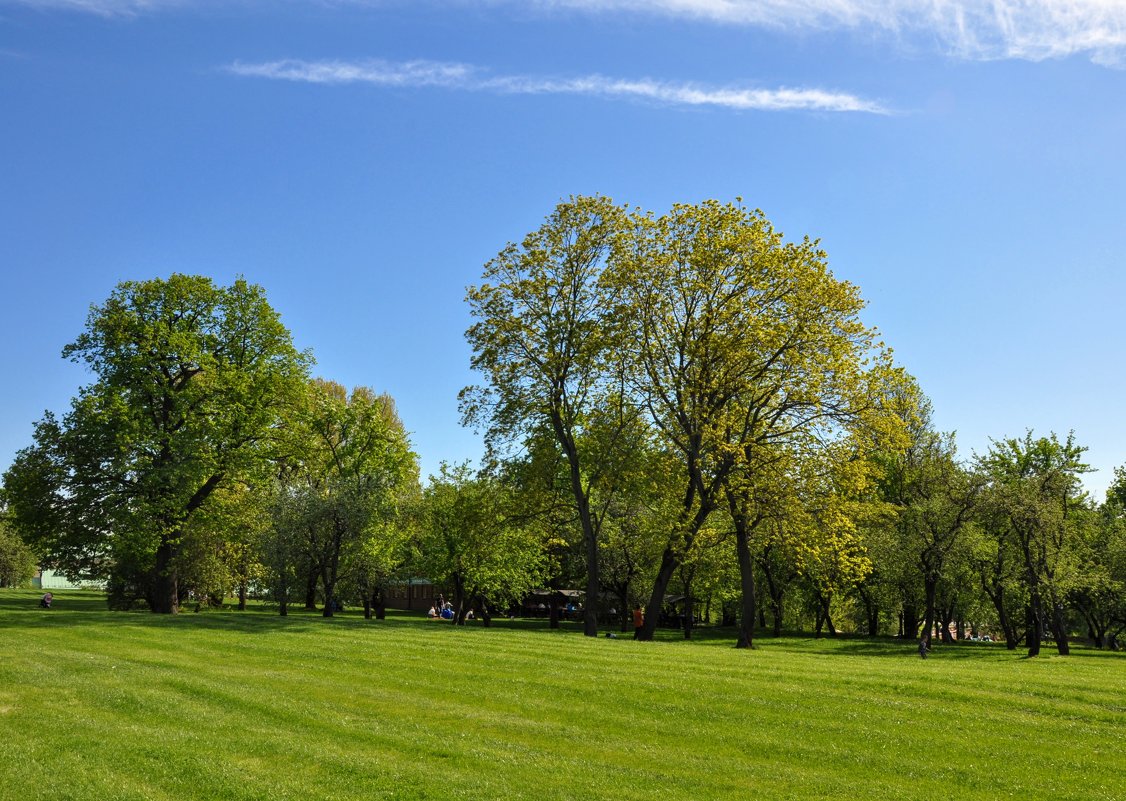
x: 1032, y: 635
x: 311, y: 589
x: 996, y: 594
x: 910, y: 621
x: 166, y: 591
x: 586, y: 522
x: 871, y: 612
x: 242, y: 596
x: 657, y: 597
x: 747, y: 587
x: 946, y: 621
x: 930, y: 583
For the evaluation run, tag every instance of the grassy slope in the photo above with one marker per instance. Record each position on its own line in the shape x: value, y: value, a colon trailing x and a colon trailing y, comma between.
x: 250, y: 706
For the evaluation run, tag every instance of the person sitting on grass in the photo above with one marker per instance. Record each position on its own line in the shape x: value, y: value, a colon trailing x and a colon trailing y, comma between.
x: 45, y: 601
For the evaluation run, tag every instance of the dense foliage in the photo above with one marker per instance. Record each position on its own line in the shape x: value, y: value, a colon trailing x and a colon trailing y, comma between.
x: 685, y: 415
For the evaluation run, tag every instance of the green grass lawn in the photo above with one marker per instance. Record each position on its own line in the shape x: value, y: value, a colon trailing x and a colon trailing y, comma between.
x: 229, y: 705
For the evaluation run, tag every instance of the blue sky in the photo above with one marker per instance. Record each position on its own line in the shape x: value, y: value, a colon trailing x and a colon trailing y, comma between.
x: 962, y: 161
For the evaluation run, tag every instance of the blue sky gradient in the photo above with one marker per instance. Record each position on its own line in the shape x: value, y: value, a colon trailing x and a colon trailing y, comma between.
x: 962, y: 162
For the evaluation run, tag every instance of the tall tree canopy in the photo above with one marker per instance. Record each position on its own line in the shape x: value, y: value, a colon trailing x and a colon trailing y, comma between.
x: 542, y: 342
x: 739, y: 348
x: 1035, y: 484
x: 190, y: 381
x: 747, y: 349
x: 349, y: 466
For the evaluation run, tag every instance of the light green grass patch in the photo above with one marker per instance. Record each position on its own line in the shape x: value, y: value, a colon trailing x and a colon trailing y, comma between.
x: 230, y: 705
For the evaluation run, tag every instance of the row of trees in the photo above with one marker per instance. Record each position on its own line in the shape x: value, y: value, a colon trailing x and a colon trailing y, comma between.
x: 204, y: 460
x: 683, y: 404
x: 706, y: 398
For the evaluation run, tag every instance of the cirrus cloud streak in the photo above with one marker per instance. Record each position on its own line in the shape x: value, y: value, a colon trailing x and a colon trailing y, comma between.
x: 464, y: 77
x: 970, y: 29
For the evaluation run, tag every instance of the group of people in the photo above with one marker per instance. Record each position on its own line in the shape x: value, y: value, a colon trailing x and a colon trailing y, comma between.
x: 444, y: 610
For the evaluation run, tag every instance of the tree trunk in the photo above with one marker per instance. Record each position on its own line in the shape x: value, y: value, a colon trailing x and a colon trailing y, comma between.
x: 996, y: 594
x: 460, y: 607
x: 746, y: 585
x: 946, y: 619
x: 379, y: 601
x: 166, y: 592
x: 910, y: 621
x: 1032, y: 622
x: 825, y: 601
x: 930, y: 584
x: 871, y: 612
x: 623, y: 604
x: 586, y: 521
x: 242, y: 596
x: 657, y: 597
x: 1059, y: 627
x: 311, y: 589
x: 775, y: 589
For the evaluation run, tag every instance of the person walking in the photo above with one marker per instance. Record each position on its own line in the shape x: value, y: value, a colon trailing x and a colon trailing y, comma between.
x: 924, y: 645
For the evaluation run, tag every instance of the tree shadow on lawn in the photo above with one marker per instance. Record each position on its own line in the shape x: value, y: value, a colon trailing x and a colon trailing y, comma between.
x: 77, y: 608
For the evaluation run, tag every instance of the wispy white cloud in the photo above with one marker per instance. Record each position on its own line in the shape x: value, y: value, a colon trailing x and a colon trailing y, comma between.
x: 465, y: 77
x: 970, y: 29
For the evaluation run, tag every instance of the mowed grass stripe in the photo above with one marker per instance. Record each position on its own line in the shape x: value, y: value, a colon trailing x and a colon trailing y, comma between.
x: 247, y: 705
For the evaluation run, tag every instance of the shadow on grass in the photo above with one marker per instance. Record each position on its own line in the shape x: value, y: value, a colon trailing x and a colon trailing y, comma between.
x: 77, y: 608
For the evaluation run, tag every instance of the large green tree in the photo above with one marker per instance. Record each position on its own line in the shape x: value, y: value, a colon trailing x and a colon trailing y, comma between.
x: 746, y: 346
x: 472, y: 540
x: 542, y: 342
x: 1036, y: 487
x: 1100, y: 596
x: 934, y: 497
x: 190, y: 381
x: 349, y: 469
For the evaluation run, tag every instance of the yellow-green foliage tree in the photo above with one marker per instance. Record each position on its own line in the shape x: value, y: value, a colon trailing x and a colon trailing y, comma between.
x: 746, y: 347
